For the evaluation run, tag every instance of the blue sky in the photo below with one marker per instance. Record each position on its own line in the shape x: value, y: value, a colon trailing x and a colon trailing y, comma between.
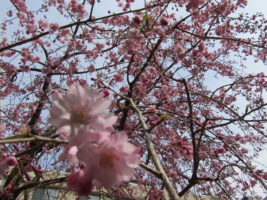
x: 257, y: 6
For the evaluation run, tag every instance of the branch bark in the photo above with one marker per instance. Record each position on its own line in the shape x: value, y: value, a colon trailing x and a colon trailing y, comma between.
x: 167, y: 183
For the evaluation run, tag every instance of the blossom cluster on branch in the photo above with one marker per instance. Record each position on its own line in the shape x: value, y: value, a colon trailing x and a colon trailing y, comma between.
x: 5, y: 162
x: 100, y: 157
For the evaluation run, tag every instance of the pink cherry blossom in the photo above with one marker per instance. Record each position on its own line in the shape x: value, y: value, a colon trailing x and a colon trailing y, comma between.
x: 53, y: 27
x: 2, y: 130
x: 118, y: 78
x: 124, y: 89
x: 106, y: 93
x: 83, y: 135
x: 151, y: 109
x: 11, y: 161
x: 113, y: 160
x: 137, y: 19
x: 80, y: 106
x: 80, y: 140
x: 164, y: 21
x: 264, y: 176
x: 5, y: 162
x: 107, y: 163
x: 108, y: 159
x: 80, y: 182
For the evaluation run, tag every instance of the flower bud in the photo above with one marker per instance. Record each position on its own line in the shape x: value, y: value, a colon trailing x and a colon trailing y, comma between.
x: 11, y: 161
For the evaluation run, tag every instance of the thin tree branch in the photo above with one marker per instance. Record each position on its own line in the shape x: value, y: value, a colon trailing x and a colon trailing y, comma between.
x: 169, y: 186
x: 33, y: 138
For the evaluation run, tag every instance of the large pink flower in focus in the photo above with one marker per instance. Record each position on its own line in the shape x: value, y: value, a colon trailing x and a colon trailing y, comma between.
x: 80, y: 140
x: 82, y: 135
x: 81, y: 106
x: 107, y: 160
x: 112, y: 161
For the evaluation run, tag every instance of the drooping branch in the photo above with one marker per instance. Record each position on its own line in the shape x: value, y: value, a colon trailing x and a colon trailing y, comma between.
x: 238, y: 40
x: 32, y: 138
x: 153, y: 171
x: 38, y: 184
x: 167, y: 182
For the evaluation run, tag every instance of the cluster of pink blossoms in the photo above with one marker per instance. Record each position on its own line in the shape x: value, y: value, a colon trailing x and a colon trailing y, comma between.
x: 102, y: 158
x: 5, y: 162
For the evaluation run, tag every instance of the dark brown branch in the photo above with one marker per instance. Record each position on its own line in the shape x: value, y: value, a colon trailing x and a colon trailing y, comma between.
x: 241, y: 41
x: 167, y: 182
x: 38, y: 184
